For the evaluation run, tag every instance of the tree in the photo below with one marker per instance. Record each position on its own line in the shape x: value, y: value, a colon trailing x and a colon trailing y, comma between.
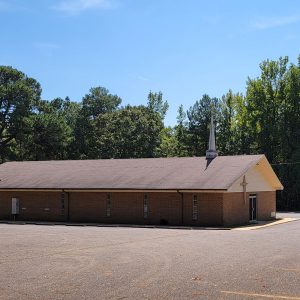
x: 265, y: 99
x: 131, y: 132
x: 225, y: 136
x: 169, y: 143
x: 98, y: 102
x: 70, y: 111
x: 181, y: 133
x: 234, y: 135
x: 199, y: 119
x: 156, y: 104
x: 289, y: 170
x: 273, y: 111
x: 48, y: 135
x: 50, y: 138
x: 18, y: 93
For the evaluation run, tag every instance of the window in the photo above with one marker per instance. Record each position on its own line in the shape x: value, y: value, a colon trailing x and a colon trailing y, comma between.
x: 195, y: 208
x: 108, y: 205
x: 62, y: 204
x: 15, y: 206
x: 146, y: 206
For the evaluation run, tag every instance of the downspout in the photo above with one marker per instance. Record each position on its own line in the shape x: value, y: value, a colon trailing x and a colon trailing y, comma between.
x: 181, y: 194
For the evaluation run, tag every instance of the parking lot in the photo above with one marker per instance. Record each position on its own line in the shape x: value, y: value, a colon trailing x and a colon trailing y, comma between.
x: 75, y: 262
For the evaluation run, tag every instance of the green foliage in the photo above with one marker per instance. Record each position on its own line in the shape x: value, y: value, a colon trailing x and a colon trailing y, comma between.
x: 169, y: 143
x: 98, y: 102
x: 18, y: 93
x: 156, y: 104
x: 48, y: 134
x: 266, y: 102
x: 266, y: 120
x: 181, y: 133
x: 199, y: 119
x: 127, y: 133
x: 234, y: 134
x: 94, y: 104
x: 49, y: 140
x: 226, y: 133
x: 273, y: 107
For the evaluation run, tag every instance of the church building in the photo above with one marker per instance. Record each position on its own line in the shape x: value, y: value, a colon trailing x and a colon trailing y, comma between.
x: 190, y: 191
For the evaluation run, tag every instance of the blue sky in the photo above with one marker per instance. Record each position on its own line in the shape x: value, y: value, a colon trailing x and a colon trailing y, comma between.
x: 182, y: 48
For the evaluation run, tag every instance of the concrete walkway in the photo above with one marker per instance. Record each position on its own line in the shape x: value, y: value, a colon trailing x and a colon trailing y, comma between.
x: 261, y: 224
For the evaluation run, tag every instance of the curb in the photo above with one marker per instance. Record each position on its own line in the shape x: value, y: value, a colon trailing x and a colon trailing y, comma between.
x: 277, y: 222
x: 112, y: 225
x: 240, y: 228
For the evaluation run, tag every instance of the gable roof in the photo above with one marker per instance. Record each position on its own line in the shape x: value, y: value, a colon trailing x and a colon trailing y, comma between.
x: 185, y: 173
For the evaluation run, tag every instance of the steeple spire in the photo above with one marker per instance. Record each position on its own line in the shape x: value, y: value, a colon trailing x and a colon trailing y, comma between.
x: 211, y: 153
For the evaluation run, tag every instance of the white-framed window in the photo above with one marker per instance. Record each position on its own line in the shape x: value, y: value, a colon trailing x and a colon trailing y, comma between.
x: 146, y: 206
x: 108, y: 205
x: 195, y: 208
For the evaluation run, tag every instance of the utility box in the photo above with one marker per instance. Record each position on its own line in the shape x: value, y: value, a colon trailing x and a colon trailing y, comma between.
x: 15, y: 206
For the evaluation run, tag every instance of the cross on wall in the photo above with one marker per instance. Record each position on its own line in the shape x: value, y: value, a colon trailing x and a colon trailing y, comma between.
x: 244, y: 185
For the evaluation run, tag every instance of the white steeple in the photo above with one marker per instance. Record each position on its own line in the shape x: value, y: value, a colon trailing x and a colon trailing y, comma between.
x: 211, y: 153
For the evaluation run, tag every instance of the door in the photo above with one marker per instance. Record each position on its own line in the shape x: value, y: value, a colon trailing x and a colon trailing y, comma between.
x: 252, y: 207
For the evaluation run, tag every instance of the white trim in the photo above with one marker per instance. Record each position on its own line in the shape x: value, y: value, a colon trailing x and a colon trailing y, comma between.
x: 250, y: 197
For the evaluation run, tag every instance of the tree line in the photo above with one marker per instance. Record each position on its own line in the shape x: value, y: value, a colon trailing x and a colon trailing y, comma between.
x: 266, y: 119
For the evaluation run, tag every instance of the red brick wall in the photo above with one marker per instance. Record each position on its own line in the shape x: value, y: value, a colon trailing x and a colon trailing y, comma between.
x: 214, y: 209
x: 43, y: 206
x: 87, y: 207
x: 5, y: 205
x: 128, y: 208
x: 266, y: 203
x: 125, y: 208
x: 236, y: 211
x: 210, y: 209
x: 164, y: 206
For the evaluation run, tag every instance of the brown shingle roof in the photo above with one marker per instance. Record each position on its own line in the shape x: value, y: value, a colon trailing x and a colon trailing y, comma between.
x: 147, y: 173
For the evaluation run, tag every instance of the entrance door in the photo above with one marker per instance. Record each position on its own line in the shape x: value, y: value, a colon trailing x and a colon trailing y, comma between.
x: 252, y: 207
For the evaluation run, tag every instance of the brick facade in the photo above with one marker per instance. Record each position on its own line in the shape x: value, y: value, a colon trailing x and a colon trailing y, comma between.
x: 236, y: 210
x: 213, y: 209
x: 44, y: 206
x: 266, y: 203
x: 209, y: 209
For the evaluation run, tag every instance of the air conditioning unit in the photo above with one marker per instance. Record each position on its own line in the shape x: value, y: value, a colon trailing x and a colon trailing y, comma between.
x: 15, y: 206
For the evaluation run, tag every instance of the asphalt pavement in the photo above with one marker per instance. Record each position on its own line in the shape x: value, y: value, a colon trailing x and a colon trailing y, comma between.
x: 74, y: 262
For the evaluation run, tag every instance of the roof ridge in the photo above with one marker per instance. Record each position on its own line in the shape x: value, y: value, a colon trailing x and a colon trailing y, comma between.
x: 130, y: 159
